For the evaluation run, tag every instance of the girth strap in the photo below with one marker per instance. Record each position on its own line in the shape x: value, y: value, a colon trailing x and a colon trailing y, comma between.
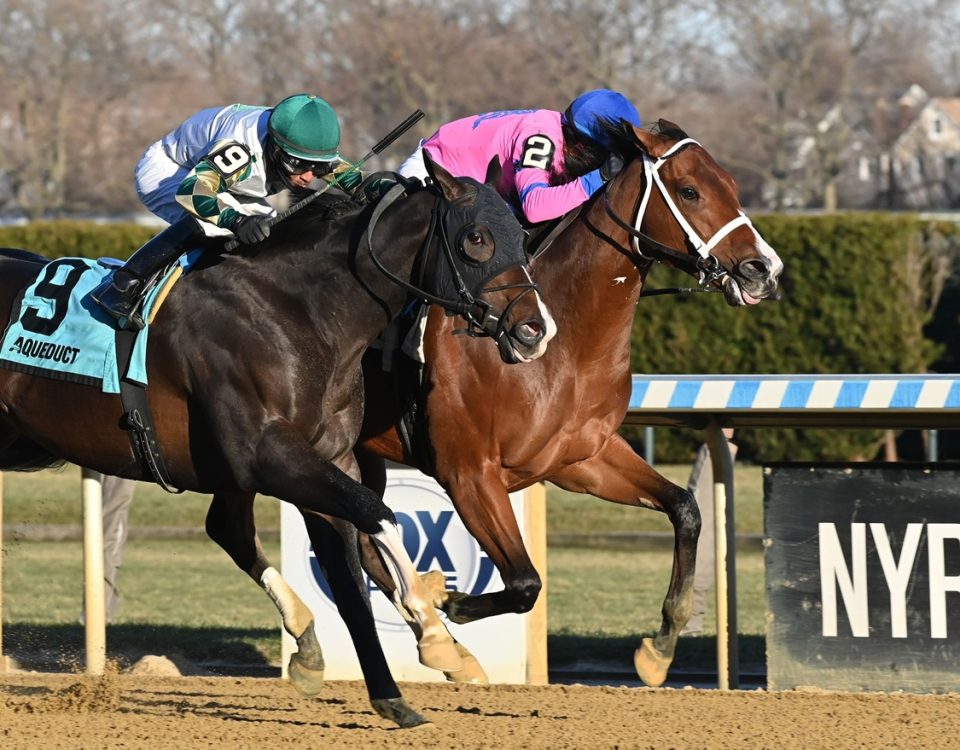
x: 137, y: 418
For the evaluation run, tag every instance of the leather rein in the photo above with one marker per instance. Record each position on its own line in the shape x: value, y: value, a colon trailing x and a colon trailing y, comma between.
x: 481, y: 319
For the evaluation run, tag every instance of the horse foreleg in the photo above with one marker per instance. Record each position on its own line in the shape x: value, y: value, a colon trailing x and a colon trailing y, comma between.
x: 483, y: 503
x: 618, y: 474
x: 470, y: 671
x: 288, y: 467
x: 335, y: 546
x: 230, y: 523
x: 373, y: 474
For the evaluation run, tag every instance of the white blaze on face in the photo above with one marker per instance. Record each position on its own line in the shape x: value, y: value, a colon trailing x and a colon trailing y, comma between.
x: 776, y: 265
x: 550, y: 324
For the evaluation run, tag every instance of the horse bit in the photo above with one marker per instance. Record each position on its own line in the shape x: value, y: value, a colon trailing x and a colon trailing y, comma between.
x: 706, y: 265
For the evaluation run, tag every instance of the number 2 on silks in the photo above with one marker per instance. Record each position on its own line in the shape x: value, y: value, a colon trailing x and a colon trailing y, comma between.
x: 58, y: 293
x: 537, y: 152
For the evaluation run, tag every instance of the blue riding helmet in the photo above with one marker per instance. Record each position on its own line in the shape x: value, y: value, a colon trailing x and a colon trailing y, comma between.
x: 588, y: 112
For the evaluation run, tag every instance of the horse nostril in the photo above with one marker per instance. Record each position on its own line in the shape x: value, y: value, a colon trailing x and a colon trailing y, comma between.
x: 529, y: 333
x: 755, y: 268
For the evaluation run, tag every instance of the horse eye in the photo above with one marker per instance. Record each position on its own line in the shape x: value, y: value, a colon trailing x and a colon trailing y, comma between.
x: 477, y: 245
x: 688, y: 193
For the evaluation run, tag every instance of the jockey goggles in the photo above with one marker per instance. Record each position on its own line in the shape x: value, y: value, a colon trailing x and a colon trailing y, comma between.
x: 296, y: 165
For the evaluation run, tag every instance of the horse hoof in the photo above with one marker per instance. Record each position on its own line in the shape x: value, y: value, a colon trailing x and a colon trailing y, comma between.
x: 399, y: 712
x: 471, y: 672
x: 650, y: 664
x: 307, y: 680
x: 440, y: 654
x: 436, y: 585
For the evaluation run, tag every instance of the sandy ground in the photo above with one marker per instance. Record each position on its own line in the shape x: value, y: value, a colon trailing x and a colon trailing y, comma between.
x: 65, y: 711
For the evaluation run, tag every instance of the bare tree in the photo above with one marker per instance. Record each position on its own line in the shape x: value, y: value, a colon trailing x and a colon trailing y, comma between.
x: 88, y: 84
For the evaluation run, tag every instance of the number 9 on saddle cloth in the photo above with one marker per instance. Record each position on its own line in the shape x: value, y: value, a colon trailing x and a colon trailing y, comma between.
x: 61, y: 333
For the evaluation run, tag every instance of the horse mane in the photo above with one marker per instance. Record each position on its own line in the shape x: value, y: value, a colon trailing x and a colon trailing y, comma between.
x: 624, y: 143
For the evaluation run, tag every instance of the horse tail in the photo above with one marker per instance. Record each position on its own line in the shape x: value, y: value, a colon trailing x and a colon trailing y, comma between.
x: 25, y: 455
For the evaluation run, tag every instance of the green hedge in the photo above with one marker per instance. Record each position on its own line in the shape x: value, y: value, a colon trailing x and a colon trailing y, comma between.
x: 858, y: 291
x: 858, y: 296
x: 85, y: 239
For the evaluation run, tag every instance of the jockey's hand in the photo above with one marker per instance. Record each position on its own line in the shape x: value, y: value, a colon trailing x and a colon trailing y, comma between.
x: 252, y: 229
x: 611, y: 166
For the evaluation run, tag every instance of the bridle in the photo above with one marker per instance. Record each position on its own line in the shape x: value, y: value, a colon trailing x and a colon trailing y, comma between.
x: 705, y: 265
x: 482, y: 319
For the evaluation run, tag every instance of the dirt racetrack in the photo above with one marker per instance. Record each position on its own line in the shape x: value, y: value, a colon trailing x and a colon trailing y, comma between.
x: 67, y: 712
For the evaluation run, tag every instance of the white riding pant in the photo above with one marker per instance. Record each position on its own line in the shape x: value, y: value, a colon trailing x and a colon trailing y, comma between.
x: 158, y: 177
x: 414, y: 166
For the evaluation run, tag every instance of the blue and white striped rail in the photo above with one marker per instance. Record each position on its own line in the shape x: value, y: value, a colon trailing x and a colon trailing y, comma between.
x: 888, y: 401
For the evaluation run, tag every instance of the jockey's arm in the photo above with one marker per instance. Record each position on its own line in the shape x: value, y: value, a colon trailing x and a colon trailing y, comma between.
x: 534, y: 156
x: 205, y: 192
x: 542, y: 201
x: 346, y: 182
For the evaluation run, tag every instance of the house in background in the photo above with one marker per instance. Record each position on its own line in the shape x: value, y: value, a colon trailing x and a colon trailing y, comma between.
x: 902, y: 155
x: 924, y: 159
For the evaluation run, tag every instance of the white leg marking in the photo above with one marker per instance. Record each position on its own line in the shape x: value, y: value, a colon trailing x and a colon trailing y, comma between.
x: 407, y: 597
x: 296, y: 616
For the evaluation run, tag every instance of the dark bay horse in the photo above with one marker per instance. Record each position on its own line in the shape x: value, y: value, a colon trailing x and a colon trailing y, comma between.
x: 255, y: 385
x: 493, y: 430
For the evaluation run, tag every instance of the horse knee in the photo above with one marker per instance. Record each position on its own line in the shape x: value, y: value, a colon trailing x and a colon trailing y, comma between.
x: 525, y: 591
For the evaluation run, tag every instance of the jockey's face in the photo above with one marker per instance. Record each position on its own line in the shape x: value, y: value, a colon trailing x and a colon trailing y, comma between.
x: 298, y: 173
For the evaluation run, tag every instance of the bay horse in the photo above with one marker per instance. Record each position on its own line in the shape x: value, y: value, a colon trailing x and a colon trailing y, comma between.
x: 256, y: 386
x: 491, y: 430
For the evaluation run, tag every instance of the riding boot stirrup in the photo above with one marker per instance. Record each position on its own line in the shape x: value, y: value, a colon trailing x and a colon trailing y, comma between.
x: 119, y: 296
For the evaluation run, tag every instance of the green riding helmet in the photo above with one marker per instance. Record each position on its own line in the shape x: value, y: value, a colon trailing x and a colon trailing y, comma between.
x: 306, y: 127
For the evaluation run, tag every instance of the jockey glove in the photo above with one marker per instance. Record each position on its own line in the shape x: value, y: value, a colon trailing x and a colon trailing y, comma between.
x: 611, y: 166
x: 252, y: 229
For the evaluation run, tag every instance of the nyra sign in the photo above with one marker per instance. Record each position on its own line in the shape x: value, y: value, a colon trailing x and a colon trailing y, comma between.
x: 863, y: 576
x: 901, y: 570
x: 435, y: 539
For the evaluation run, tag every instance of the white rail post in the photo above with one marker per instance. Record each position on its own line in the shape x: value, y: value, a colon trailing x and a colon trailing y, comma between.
x: 94, y: 612
x: 728, y: 660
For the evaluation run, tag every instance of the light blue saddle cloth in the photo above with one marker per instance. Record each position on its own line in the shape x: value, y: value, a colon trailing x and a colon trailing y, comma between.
x: 60, y: 333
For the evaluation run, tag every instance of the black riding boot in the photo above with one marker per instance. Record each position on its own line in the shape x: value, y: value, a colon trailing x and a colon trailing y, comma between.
x: 120, y: 293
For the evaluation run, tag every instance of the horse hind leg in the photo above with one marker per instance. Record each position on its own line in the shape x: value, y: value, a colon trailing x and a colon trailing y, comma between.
x: 616, y: 473
x: 230, y: 523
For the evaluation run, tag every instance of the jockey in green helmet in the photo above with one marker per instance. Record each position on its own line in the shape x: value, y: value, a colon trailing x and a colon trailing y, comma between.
x: 211, y: 176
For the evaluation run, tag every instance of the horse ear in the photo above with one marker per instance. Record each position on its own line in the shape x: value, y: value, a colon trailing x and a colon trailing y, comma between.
x: 657, y: 143
x: 648, y: 141
x: 668, y: 127
x: 449, y: 185
x: 494, y: 173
